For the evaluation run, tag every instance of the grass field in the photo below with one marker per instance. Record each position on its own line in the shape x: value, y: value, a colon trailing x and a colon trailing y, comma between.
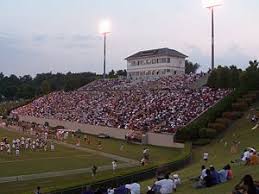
x: 30, y: 162
x: 219, y: 155
x: 65, y: 158
x: 158, y: 155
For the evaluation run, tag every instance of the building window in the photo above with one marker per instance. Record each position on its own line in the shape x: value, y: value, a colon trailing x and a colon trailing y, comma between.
x: 168, y: 60
x: 163, y: 60
x: 168, y: 70
x: 153, y: 61
x: 148, y: 61
x: 174, y: 72
x: 157, y: 60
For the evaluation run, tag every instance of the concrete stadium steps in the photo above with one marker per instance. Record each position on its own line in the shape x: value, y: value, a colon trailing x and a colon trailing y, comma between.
x: 200, y: 82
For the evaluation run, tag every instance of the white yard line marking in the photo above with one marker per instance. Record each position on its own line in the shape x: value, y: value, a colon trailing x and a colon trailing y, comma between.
x: 59, y: 173
x: 47, y: 158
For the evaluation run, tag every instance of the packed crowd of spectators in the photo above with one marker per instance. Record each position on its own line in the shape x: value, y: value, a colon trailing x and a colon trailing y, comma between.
x: 161, y: 105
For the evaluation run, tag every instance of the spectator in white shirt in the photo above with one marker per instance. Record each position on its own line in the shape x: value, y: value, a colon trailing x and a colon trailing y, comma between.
x: 167, y: 185
x: 203, y: 172
x: 246, y: 155
x: 134, y: 188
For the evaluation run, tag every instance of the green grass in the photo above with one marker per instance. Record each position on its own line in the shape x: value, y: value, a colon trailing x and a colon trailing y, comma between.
x: 219, y: 155
x: 158, y: 155
x: 30, y: 162
x: 57, y: 183
x: 35, y: 162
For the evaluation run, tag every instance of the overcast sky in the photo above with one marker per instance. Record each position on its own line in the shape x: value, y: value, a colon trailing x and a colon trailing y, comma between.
x: 62, y: 35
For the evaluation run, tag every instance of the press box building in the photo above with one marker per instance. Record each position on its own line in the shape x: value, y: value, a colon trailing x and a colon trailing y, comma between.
x: 152, y: 64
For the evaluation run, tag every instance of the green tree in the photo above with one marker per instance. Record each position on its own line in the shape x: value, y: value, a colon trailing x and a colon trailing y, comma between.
x: 250, y: 78
x: 212, y: 80
x: 111, y: 74
x: 45, y: 87
x: 121, y: 72
x: 191, y: 67
x: 234, y: 77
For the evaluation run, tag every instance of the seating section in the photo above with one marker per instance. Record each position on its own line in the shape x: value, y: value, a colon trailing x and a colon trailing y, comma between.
x: 161, y: 105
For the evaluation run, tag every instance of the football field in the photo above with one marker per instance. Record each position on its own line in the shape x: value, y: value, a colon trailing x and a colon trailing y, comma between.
x: 69, y: 165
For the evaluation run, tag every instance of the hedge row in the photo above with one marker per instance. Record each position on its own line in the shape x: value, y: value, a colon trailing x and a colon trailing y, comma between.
x: 207, y: 133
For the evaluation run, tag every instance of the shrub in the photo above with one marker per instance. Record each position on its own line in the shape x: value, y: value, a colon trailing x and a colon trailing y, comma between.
x: 253, y: 96
x: 207, y: 133
x: 217, y: 126
x: 240, y: 106
x: 247, y: 100
x: 232, y: 115
x: 224, y: 121
x: 201, y: 142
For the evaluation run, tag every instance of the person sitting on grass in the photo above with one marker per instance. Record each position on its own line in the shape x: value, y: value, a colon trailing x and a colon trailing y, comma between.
x: 201, y: 176
x: 134, y: 188
x: 214, y: 176
x: 225, y: 174
x: 176, y: 179
x: 163, y: 185
x: 253, y: 159
x: 246, y: 186
x: 206, y: 182
x: 230, y: 172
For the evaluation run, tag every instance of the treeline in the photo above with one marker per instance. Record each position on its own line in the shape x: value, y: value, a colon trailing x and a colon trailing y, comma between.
x: 232, y: 77
x: 27, y: 87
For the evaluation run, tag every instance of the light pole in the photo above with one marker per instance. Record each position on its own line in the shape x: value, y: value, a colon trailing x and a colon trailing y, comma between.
x: 104, y: 30
x: 210, y: 4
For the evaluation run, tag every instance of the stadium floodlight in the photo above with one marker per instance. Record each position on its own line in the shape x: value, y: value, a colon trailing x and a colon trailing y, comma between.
x: 104, y: 29
x: 211, y: 4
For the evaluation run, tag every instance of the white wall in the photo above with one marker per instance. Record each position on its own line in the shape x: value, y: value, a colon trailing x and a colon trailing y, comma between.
x: 176, y: 65
x: 165, y: 140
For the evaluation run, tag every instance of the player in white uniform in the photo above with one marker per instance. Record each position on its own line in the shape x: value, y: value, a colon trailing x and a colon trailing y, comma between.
x: 52, y: 147
x: 114, y: 165
x: 17, y: 152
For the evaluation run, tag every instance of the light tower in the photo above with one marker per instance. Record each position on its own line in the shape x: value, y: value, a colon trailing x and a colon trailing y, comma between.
x: 210, y: 4
x: 104, y: 29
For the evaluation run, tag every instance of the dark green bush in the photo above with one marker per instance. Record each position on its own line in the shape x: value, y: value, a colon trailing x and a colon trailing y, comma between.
x: 240, y: 106
x: 201, y: 142
x: 232, y: 115
x: 207, y: 133
x: 217, y: 126
x: 224, y: 121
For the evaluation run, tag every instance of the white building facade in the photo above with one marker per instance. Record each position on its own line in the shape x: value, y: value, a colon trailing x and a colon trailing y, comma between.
x: 152, y: 64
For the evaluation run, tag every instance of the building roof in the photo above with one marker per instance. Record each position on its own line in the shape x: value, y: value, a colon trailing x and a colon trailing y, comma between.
x: 157, y: 53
